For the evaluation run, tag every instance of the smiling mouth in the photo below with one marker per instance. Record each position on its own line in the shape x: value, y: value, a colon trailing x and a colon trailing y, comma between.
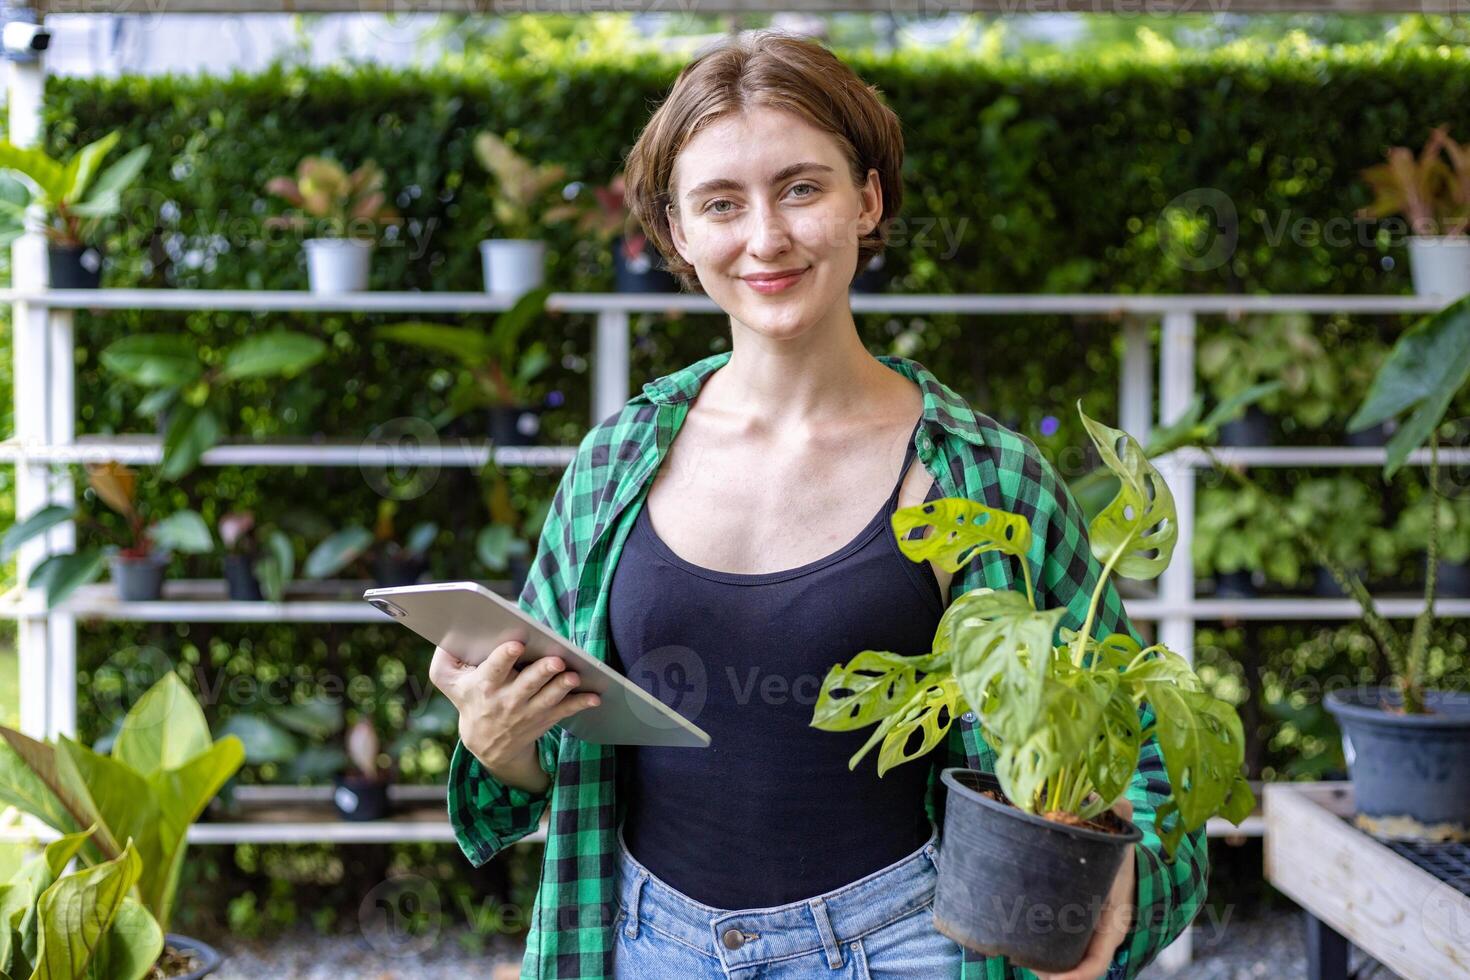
x: 776, y: 284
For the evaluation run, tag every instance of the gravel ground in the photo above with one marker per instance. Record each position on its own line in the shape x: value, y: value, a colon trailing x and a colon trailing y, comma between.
x: 1246, y: 949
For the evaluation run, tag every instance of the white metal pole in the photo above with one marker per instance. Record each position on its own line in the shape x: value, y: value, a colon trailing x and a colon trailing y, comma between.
x: 610, y: 364
x: 1136, y: 385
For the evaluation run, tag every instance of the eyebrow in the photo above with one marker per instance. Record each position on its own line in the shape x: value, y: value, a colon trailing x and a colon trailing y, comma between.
x: 784, y: 174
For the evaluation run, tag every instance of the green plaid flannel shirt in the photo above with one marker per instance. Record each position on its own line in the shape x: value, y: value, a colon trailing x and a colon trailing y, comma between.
x: 596, y: 503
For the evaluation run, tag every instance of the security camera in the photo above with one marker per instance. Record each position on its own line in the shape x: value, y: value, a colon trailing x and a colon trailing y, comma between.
x: 24, y: 39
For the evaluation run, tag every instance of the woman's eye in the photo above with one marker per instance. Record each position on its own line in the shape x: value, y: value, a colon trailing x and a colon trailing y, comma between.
x: 812, y: 187
x: 711, y: 206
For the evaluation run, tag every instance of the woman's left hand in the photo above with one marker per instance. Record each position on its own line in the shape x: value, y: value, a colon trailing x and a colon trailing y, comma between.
x: 1115, y: 920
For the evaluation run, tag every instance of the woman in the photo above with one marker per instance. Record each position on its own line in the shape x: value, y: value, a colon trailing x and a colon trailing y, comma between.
x: 749, y: 494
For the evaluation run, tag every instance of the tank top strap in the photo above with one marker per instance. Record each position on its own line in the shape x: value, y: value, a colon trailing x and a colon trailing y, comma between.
x: 903, y: 471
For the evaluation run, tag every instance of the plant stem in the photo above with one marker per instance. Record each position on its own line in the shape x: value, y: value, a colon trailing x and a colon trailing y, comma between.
x: 1081, y: 648
x: 1386, y: 636
x: 1411, y: 681
x: 1030, y: 590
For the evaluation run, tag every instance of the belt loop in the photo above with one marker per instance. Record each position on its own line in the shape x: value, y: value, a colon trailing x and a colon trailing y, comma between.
x: 630, y: 927
x: 824, y: 929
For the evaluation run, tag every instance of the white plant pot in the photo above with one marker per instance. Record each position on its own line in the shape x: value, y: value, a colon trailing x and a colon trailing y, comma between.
x: 1440, y: 265
x: 338, y: 265
x: 513, y: 265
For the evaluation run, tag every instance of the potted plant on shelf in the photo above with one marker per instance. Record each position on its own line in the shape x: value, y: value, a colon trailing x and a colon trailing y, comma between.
x: 345, y: 209
x: 497, y: 370
x: 504, y: 545
x: 361, y: 792
x: 524, y: 199
x: 1433, y: 192
x: 258, y: 562
x: 137, y: 563
x: 637, y: 266
x: 186, y: 391
x: 392, y: 563
x: 76, y: 199
x: 1407, y: 743
x: 1234, y: 541
x: 1063, y: 720
x: 1278, y: 347
x: 1452, y: 572
x: 161, y: 772
x: 1361, y: 544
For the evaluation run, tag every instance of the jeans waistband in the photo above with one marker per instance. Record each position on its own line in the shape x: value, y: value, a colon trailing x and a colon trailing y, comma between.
x: 825, y: 921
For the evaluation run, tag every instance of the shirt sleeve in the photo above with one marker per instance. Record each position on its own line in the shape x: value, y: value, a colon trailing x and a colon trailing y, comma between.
x: 486, y: 814
x: 1169, y: 894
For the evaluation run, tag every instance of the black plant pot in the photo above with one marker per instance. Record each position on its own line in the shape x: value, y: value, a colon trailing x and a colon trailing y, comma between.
x: 240, y: 580
x: 644, y: 273
x: 394, y: 570
x: 359, y: 798
x: 1411, y: 773
x: 1324, y: 586
x: 1235, y: 585
x: 1253, y: 428
x: 1016, y: 885
x: 138, y: 579
x: 874, y: 278
x: 515, y: 425
x: 1375, y: 435
x: 1451, y: 578
x: 74, y: 266
x: 202, y: 953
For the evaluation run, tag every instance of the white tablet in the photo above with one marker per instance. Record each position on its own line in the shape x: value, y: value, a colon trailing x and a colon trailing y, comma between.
x: 469, y: 621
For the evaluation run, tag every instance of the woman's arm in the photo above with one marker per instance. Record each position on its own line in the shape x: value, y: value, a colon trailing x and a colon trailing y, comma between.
x: 1168, y: 894
x: 486, y: 814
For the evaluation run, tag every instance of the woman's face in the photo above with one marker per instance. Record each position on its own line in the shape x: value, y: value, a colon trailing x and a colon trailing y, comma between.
x: 764, y: 192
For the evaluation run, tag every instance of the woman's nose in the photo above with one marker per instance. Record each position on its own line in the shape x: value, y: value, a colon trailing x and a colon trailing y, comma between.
x: 769, y: 234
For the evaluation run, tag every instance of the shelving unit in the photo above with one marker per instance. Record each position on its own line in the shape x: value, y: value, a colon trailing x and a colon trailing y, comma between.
x: 45, y: 440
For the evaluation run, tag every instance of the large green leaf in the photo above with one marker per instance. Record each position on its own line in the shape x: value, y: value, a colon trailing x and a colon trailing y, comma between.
x: 931, y: 710
x: 58, y: 576
x: 37, y: 524
x: 506, y: 333
x: 1114, y: 755
x: 131, y: 946
x: 18, y: 901
x: 871, y: 686
x: 117, y: 177
x: 154, y: 360
x: 1000, y: 650
x: 335, y: 552
x: 263, y: 739
x: 164, y: 729
x: 184, y: 531
x: 82, y: 167
x: 1203, y: 745
x: 192, y: 429
x: 1058, y: 738
x: 28, y: 784
x: 76, y: 913
x: 275, y: 568
x: 48, y: 175
x: 278, y: 353
x: 1136, y: 533
x: 963, y: 529
x: 470, y: 346
x: 1427, y: 366
x: 318, y: 719
x: 182, y: 795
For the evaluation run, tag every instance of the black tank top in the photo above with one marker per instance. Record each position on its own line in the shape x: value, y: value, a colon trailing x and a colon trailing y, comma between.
x: 769, y: 813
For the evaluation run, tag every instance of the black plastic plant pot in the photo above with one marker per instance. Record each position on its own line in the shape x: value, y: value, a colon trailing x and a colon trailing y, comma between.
x: 205, y: 956
x: 1410, y: 773
x: 74, y: 266
x: 240, y: 580
x: 395, y: 570
x: 874, y: 278
x: 1235, y: 585
x: 1253, y: 428
x: 643, y: 274
x: 515, y: 425
x: 360, y: 798
x: 138, y: 579
x: 1452, y: 578
x: 1016, y: 885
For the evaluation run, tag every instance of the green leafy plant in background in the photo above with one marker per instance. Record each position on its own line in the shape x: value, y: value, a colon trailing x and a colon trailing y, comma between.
x: 348, y: 544
x: 1234, y: 532
x: 1281, y: 347
x: 1432, y: 190
x: 269, y: 550
x: 188, y: 388
x: 61, y: 574
x: 1350, y: 523
x: 1063, y: 719
x: 80, y: 926
x: 345, y: 205
x: 524, y: 197
x: 495, y: 367
x: 74, y: 195
x: 1426, y: 368
x: 162, y: 770
x: 1412, y: 526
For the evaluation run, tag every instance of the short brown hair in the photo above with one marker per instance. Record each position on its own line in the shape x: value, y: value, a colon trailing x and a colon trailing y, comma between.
x: 779, y: 71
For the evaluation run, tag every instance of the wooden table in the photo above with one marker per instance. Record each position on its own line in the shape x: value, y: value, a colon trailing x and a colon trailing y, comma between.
x: 1406, y: 905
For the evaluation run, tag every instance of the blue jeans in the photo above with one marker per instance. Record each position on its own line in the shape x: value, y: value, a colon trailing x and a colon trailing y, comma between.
x: 878, y: 926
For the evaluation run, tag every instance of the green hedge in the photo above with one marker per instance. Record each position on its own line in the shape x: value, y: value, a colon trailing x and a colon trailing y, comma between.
x: 1053, y: 175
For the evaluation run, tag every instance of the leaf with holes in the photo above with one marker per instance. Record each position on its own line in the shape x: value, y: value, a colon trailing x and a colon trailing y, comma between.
x: 962, y: 530
x: 870, y: 686
x: 931, y: 710
x: 1134, y: 534
x: 1000, y: 650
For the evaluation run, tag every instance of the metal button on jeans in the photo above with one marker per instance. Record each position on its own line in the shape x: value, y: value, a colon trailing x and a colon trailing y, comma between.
x: 733, y: 939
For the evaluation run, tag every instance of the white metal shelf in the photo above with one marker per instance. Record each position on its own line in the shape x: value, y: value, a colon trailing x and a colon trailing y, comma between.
x: 142, y: 450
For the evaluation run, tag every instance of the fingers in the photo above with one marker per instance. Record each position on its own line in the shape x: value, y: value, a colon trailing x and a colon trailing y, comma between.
x: 569, y: 706
x: 533, y: 678
x: 445, y: 671
x: 554, y: 690
x: 498, y: 668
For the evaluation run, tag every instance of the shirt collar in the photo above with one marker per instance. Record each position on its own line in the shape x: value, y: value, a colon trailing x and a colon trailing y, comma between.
x: 943, y: 408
